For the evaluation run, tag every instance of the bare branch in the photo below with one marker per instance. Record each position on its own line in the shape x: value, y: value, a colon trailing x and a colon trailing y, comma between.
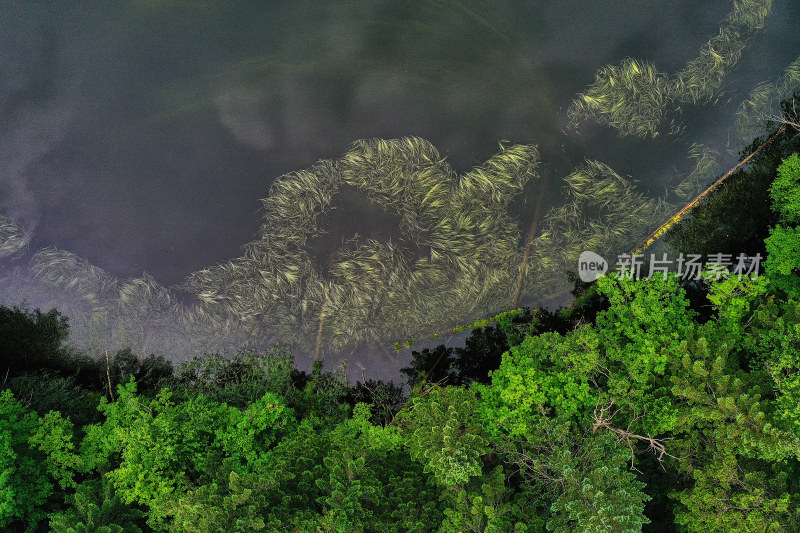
x: 603, y: 418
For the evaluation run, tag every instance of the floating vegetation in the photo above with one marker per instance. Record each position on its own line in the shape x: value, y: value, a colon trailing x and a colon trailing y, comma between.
x: 705, y: 169
x: 602, y: 213
x: 373, y: 289
x: 13, y: 239
x: 763, y: 102
x: 700, y: 80
x: 633, y: 97
x: 630, y: 97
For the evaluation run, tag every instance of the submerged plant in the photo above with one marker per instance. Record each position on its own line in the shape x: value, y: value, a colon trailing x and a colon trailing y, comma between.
x: 602, y: 213
x: 630, y: 97
x: 705, y: 169
x: 763, y: 101
x: 377, y: 289
x: 633, y: 97
x: 702, y: 77
x: 13, y: 239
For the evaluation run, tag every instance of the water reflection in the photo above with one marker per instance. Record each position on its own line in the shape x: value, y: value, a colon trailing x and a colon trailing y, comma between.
x: 446, y: 241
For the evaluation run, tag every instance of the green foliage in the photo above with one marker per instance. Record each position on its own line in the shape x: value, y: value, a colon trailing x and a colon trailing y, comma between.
x: 785, y: 190
x: 239, y: 380
x: 384, y: 398
x: 151, y: 372
x: 431, y: 366
x: 44, y: 391
x: 725, y: 497
x: 351, y: 488
x: 599, y: 493
x: 547, y: 374
x: 735, y: 299
x: 774, y: 347
x: 96, y: 508
x: 639, y: 334
x: 353, y: 477
x: 783, y: 244
x: 733, y: 443
x: 54, y: 438
x: 32, y: 340
x: 24, y: 485
x: 173, y: 453
x: 299, y: 458
x: 323, y: 393
x: 487, y: 505
x: 444, y: 434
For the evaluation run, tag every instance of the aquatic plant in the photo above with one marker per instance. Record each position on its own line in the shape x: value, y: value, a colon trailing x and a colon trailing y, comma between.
x: 67, y: 271
x: 79, y: 289
x: 13, y: 239
x: 633, y: 97
x: 602, y: 212
x: 377, y: 289
x: 630, y: 97
x: 763, y: 101
x: 706, y: 167
x: 700, y: 80
x: 675, y: 218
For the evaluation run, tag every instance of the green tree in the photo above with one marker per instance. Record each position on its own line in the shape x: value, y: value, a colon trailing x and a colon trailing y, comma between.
x: 24, y: 484
x: 733, y: 447
x: 443, y: 432
x: 488, y: 504
x: 30, y: 341
x: 599, y: 492
x: 96, y: 508
x: 431, y: 366
x: 175, y: 456
x: 783, y: 244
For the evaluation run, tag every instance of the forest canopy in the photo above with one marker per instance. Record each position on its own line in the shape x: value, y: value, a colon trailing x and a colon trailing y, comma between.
x: 641, y: 408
